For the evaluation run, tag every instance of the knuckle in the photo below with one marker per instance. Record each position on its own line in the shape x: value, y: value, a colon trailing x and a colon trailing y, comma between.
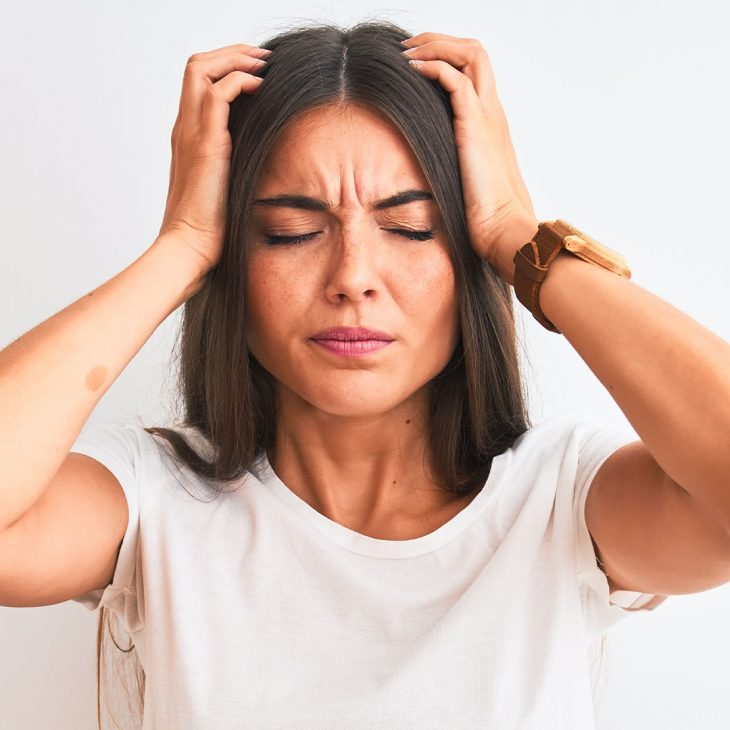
x: 193, y: 58
x: 191, y: 69
x: 213, y: 92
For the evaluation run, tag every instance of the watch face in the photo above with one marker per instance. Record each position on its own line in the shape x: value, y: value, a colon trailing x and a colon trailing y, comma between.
x: 595, y: 252
x: 567, y: 230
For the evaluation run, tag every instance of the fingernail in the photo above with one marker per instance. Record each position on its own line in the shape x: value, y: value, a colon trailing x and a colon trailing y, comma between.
x: 415, y: 61
x: 410, y: 50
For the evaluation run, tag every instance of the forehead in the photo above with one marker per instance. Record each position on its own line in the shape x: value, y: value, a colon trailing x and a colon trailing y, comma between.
x: 341, y: 149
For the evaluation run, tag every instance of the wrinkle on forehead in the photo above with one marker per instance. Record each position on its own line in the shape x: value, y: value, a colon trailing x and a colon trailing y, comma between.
x: 346, y: 154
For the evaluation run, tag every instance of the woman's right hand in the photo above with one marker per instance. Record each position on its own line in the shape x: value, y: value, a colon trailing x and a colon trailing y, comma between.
x: 201, y: 148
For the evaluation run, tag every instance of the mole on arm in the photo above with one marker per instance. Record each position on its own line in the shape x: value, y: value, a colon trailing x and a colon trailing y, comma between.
x: 95, y: 378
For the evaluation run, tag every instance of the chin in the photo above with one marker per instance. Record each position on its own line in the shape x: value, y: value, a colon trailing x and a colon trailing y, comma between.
x: 361, y: 397
x: 363, y: 409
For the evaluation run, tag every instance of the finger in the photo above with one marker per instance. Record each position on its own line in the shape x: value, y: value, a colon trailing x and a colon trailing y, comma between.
x: 245, y: 48
x: 460, y: 51
x: 215, y: 68
x: 427, y: 37
x: 466, y: 103
x: 458, y: 85
x: 469, y: 58
x: 216, y: 105
x: 200, y: 74
x: 257, y: 51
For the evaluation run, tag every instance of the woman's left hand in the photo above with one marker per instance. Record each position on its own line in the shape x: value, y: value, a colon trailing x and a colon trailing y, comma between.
x: 498, y: 208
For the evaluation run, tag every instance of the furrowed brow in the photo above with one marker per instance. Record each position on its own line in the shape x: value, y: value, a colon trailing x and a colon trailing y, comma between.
x: 302, y: 202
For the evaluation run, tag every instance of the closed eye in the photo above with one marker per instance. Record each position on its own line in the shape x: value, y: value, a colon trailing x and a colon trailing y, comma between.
x: 413, y: 235
x: 273, y: 240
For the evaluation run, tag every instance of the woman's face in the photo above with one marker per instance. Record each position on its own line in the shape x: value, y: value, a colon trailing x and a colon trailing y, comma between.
x: 355, y: 265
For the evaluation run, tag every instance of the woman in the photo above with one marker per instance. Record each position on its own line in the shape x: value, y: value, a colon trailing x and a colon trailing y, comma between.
x: 354, y: 523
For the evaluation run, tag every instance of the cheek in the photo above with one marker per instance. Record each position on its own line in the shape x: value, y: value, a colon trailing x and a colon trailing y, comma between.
x: 263, y: 301
x: 274, y: 300
x: 279, y: 294
x: 431, y: 292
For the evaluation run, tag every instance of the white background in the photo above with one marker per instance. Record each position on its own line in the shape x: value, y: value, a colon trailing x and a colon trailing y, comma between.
x: 619, y: 114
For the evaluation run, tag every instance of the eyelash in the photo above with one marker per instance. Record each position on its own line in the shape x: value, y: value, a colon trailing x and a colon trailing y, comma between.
x: 284, y: 240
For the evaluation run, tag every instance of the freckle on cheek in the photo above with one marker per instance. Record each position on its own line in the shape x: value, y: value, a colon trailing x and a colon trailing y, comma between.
x: 95, y: 378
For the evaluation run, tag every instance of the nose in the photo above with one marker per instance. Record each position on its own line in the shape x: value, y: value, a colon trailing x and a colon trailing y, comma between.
x: 352, y: 267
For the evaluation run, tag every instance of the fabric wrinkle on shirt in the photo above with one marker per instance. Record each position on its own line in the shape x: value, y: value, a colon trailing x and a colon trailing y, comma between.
x: 254, y: 610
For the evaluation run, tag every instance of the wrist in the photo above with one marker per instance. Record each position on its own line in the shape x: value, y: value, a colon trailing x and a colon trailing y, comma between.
x: 507, y: 245
x: 187, y: 263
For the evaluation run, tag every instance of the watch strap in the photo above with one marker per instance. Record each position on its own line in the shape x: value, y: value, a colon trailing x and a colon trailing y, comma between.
x: 533, y: 260
x: 531, y: 267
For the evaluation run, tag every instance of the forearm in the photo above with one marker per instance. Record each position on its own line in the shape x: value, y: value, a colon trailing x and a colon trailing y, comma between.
x: 53, y: 376
x: 669, y: 375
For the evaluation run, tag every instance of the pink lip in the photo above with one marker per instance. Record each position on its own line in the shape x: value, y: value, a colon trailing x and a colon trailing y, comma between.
x: 348, y: 334
x: 353, y: 348
x: 352, y: 341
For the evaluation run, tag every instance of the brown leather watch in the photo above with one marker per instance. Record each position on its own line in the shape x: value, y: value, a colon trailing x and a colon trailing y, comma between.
x: 533, y: 260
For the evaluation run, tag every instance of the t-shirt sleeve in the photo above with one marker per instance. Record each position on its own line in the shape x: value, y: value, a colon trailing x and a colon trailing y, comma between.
x: 597, y: 441
x: 117, y: 447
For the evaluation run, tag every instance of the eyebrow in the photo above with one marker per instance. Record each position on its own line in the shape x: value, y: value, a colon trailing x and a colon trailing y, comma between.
x: 288, y: 200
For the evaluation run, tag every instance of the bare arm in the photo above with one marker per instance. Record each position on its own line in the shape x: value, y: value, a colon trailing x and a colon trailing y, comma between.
x: 63, y: 516
x: 53, y: 376
x: 669, y: 374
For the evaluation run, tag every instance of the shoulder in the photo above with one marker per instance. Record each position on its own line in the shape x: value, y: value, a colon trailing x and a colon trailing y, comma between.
x: 560, y: 455
x: 576, y: 432
x: 129, y: 448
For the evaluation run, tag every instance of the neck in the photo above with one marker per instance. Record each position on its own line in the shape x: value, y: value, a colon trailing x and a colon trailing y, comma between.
x: 358, y: 470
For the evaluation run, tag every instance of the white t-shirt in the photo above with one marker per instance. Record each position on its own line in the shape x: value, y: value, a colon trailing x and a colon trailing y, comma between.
x: 253, y: 610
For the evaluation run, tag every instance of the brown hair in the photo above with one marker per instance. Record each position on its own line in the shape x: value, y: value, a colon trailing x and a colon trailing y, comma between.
x: 477, y: 404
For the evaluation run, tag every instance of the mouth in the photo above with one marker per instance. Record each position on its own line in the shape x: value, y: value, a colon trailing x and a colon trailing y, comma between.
x: 352, y: 341
x: 352, y: 334
x: 352, y: 348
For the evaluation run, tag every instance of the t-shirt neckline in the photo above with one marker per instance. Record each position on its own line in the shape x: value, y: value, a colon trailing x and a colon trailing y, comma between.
x: 356, y: 542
